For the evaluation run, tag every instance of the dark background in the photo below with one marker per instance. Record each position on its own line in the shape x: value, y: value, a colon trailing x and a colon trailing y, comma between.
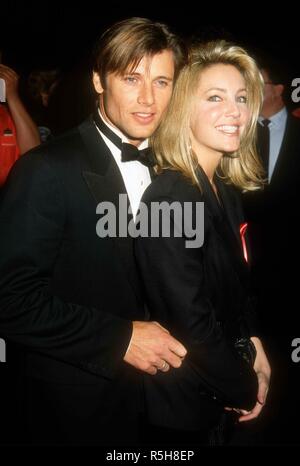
x: 56, y: 34
x: 53, y: 33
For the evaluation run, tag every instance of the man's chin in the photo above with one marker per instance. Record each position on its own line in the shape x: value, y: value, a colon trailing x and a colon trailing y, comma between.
x: 140, y: 136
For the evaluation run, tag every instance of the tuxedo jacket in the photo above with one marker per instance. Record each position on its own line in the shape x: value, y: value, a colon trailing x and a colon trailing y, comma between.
x: 272, y: 214
x: 202, y: 296
x: 67, y: 296
x: 283, y: 186
x: 287, y: 167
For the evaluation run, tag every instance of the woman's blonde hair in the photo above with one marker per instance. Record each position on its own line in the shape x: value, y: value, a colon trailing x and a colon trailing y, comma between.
x: 171, y: 142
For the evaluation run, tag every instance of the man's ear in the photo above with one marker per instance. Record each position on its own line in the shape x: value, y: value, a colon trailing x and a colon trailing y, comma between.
x: 97, y: 83
x: 279, y: 89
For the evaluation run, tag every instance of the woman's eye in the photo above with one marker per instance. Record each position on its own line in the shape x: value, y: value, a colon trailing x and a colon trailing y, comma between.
x: 214, y: 98
x: 242, y: 99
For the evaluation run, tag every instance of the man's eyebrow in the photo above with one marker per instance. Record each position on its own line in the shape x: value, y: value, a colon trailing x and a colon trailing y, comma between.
x: 164, y: 77
x: 134, y: 73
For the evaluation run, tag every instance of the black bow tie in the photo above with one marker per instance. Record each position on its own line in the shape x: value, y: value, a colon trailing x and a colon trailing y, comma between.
x: 129, y: 152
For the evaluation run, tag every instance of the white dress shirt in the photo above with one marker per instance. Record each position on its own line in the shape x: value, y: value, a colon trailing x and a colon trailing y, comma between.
x: 136, y: 176
x: 277, y: 128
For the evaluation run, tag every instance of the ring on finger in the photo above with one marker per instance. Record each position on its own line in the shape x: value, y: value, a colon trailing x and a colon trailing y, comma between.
x: 164, y: 366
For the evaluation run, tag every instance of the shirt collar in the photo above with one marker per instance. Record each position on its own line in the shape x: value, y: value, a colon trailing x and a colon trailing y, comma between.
x: 277, y: 120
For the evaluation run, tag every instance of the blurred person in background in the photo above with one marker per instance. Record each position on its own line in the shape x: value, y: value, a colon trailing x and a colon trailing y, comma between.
x: 41, y: 85
x: 18, y: 132
x: 272, y: 215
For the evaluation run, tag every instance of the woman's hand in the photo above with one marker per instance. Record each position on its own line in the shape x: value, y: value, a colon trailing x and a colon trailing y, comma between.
x: 263, y: 372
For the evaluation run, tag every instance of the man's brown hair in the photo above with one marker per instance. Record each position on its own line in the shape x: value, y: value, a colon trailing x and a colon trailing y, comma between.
x: 122, y: 46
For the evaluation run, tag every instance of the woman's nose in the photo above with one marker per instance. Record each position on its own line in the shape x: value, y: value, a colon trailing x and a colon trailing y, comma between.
x: 233, y: 109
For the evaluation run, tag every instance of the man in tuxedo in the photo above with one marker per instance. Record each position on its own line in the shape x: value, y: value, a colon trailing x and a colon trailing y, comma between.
x: 272, y: 212
x: 272, y: 215
x: 70, y: 298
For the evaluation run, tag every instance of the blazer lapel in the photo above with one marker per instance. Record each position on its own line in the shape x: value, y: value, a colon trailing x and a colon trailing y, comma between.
x: 230, y: 208
x: 224, y: 219
x: 105, y: 183
x: 231, y: 226
x: 153, y: 173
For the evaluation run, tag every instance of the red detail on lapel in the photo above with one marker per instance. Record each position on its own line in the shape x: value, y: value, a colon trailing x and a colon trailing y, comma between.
x: 243, y: 228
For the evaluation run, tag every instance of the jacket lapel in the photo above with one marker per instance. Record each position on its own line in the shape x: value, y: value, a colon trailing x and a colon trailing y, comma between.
x: 232, y: 219
x: 225, y: 220
x: 230, y: 208
x: 153, y: 173
x: 105, y: 183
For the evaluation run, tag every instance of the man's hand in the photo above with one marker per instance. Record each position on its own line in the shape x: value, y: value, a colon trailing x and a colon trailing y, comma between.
x: 263, y: 372
x: 152, y: 347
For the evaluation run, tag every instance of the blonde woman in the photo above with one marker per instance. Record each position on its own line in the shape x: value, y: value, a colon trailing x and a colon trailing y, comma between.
x: 205, y: 151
